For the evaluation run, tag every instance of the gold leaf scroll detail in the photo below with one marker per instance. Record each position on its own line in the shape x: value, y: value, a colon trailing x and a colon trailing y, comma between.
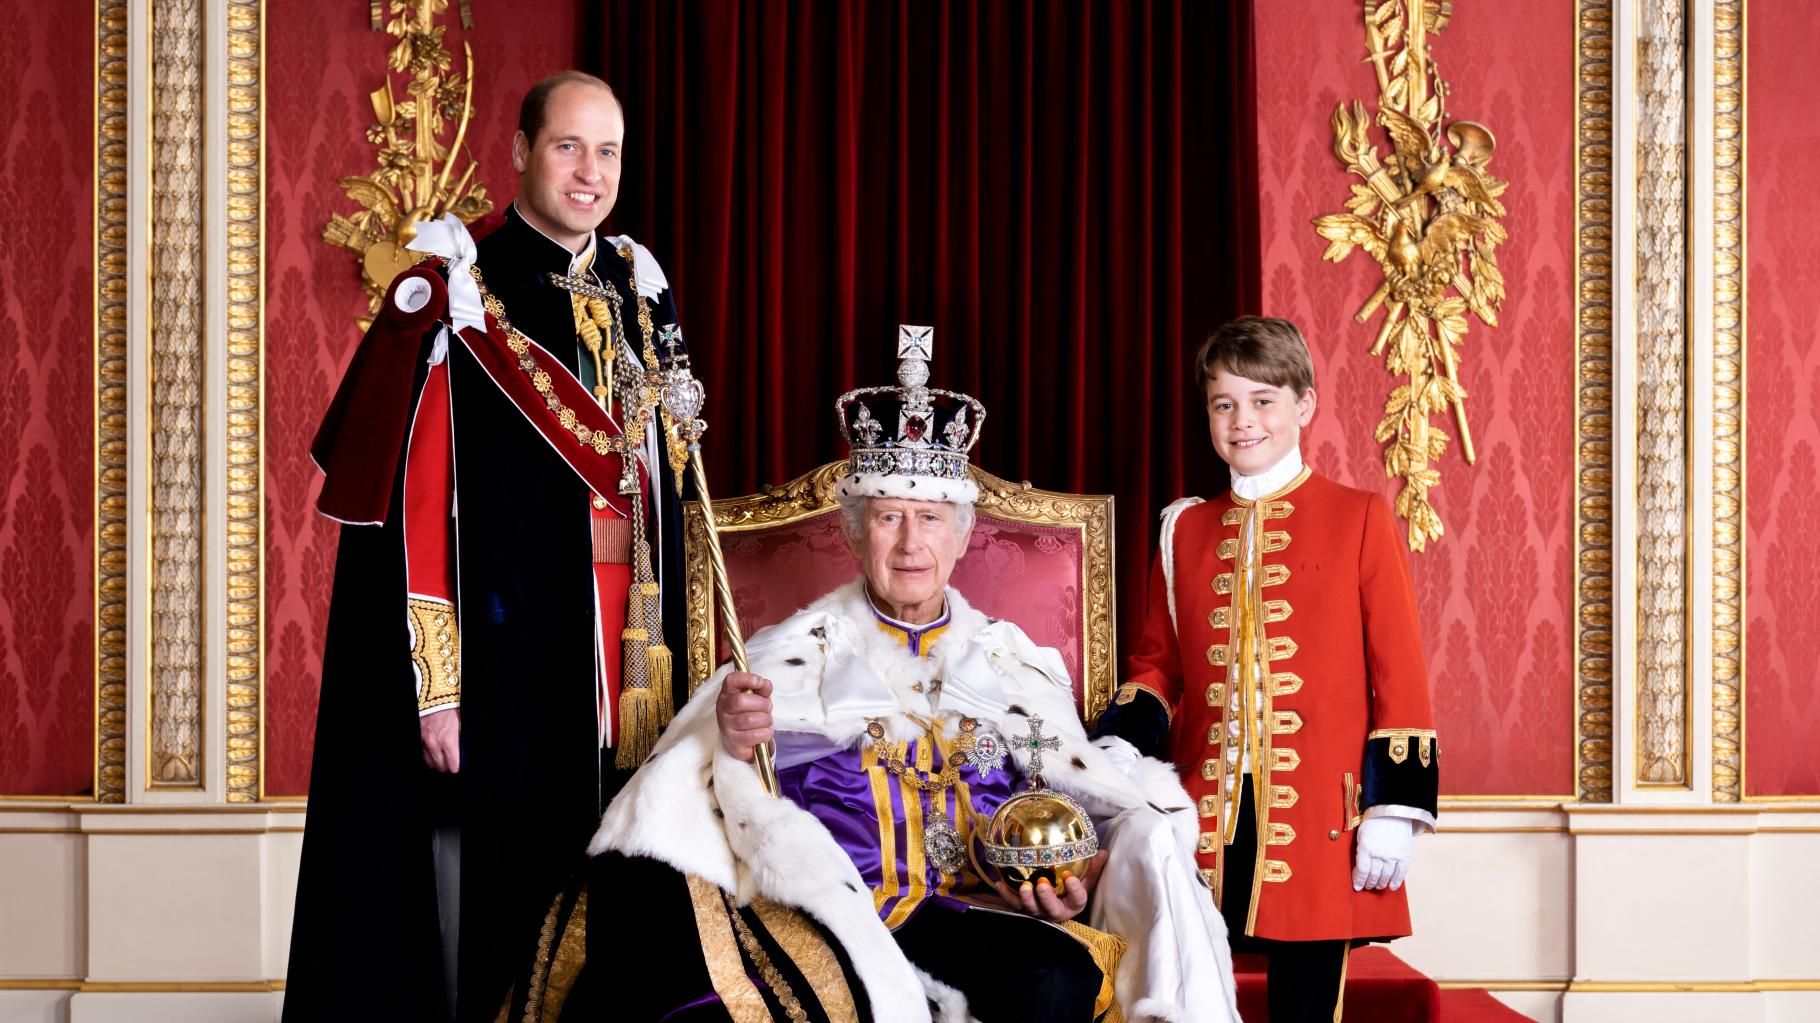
x: 1428, y: 214
x: 111, y: 74
x: 413, y: 179
x: 1728, y: 401
x: 245, y: 434
x: 1593, y: 469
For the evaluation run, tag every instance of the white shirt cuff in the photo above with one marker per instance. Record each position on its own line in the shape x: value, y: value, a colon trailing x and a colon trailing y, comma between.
x: 1423, y: 818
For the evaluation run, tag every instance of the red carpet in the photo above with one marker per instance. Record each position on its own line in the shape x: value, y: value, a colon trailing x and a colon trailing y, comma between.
x: 1380, y: 988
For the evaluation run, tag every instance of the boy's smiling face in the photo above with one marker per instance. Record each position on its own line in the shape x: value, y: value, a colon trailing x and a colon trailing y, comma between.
x: 1254, y: 424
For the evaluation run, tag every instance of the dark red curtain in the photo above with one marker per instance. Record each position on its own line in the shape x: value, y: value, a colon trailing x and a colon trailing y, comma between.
x: 1058, y: 188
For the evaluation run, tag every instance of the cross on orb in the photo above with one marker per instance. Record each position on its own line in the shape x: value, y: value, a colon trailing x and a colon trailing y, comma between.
x: 1035, y: 743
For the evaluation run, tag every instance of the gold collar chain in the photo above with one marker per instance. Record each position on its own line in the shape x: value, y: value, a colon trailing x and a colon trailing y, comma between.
x: 951, y: 763
x: 638, y: 403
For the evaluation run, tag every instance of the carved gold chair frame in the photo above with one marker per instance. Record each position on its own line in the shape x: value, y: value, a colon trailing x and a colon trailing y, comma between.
x: 813, y: 494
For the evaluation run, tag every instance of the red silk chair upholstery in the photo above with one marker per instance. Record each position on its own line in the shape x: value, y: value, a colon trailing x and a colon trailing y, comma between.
x: 1038, y: 558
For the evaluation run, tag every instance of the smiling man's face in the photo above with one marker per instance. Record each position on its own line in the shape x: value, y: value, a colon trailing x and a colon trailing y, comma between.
x: 907, y: 550
x: 568, y: 176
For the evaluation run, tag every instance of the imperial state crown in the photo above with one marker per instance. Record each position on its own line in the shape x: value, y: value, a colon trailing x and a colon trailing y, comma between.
x: 910, y: 441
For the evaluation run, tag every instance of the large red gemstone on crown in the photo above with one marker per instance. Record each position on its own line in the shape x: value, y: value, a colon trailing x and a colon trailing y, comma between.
x: 914, y: 427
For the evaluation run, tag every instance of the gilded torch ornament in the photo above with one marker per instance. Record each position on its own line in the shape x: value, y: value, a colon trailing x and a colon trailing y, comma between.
x: 412, y: 181
x: 1428, y: 213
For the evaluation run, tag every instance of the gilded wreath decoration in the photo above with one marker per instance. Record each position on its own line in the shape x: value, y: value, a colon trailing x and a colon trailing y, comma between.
x: 412, y: 179
x: 1429, y: 215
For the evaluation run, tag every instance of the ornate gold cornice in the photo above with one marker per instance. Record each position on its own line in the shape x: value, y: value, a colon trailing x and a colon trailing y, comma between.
x: 175, y: 722
x: 1728, y: 400
x: 1663, y: 560
x: 1592, y: 404
x: 110, y: 400
x: 245, y: 390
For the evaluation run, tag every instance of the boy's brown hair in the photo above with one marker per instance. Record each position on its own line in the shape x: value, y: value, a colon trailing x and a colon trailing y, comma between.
x: 1262, y: 348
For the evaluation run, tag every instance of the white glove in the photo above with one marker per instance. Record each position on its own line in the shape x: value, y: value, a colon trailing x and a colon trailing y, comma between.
x: 1381, y: 856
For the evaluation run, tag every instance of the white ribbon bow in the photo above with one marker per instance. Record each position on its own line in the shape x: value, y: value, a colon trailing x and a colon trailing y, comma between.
x: 449, y: 238
x: 645, y: 271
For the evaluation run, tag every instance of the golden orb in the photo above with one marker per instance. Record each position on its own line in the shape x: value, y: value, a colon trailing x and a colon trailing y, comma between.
x: 1040, y: 833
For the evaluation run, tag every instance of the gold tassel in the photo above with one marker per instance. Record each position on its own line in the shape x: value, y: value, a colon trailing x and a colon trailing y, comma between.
x: 637, y: 729
x: 638, y: 712
x: 659, y: 658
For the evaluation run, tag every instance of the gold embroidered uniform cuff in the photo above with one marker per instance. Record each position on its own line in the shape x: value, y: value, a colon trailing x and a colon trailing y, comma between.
x: 1402, y: 768
x: 435, y: 654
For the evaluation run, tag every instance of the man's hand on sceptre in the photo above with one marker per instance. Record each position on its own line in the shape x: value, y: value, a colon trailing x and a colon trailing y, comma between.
x: 744, y: 713
x: 442, y: 740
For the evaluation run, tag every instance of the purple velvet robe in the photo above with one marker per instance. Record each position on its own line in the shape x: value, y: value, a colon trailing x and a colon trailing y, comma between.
x: 877, y: 817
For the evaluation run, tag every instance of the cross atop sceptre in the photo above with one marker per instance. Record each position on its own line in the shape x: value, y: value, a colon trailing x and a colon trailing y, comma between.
x: 1035, y: 743
x: 670, y: 336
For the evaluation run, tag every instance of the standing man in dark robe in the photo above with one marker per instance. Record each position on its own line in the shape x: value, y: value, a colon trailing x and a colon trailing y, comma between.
x: 507, y: 590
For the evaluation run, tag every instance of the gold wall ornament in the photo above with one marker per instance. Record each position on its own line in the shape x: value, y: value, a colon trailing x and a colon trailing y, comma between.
x: 1429, y: 216
x: 412, y: 181
x: 1593, y: 467
x: 110, y: 400
x: 245, y: 426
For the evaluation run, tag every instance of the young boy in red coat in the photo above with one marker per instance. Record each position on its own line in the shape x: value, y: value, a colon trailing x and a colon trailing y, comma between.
x: 1280, y: 668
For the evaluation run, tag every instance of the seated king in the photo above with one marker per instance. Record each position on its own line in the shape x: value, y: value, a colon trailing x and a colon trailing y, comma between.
x: 902, y: 719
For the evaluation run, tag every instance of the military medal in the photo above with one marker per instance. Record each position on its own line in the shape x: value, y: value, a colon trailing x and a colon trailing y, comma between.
x: 980, y: 749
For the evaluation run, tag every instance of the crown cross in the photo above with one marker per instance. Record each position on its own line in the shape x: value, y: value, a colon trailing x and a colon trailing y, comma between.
x: 915, y: 342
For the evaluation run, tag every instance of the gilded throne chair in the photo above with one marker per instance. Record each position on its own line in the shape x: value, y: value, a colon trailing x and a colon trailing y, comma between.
x: 1039, y: 558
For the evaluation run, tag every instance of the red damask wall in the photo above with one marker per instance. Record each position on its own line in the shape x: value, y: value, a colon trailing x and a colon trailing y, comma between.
x: 47, y: 357
x: 1496, y: 592
x: 323, y: 60
x: 1782, y: 400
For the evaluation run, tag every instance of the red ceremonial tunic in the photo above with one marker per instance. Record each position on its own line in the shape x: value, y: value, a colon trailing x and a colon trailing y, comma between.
x: 1294, y: 635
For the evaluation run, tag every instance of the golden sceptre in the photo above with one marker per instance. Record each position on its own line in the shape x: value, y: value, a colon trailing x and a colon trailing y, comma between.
x: 682, y: 397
